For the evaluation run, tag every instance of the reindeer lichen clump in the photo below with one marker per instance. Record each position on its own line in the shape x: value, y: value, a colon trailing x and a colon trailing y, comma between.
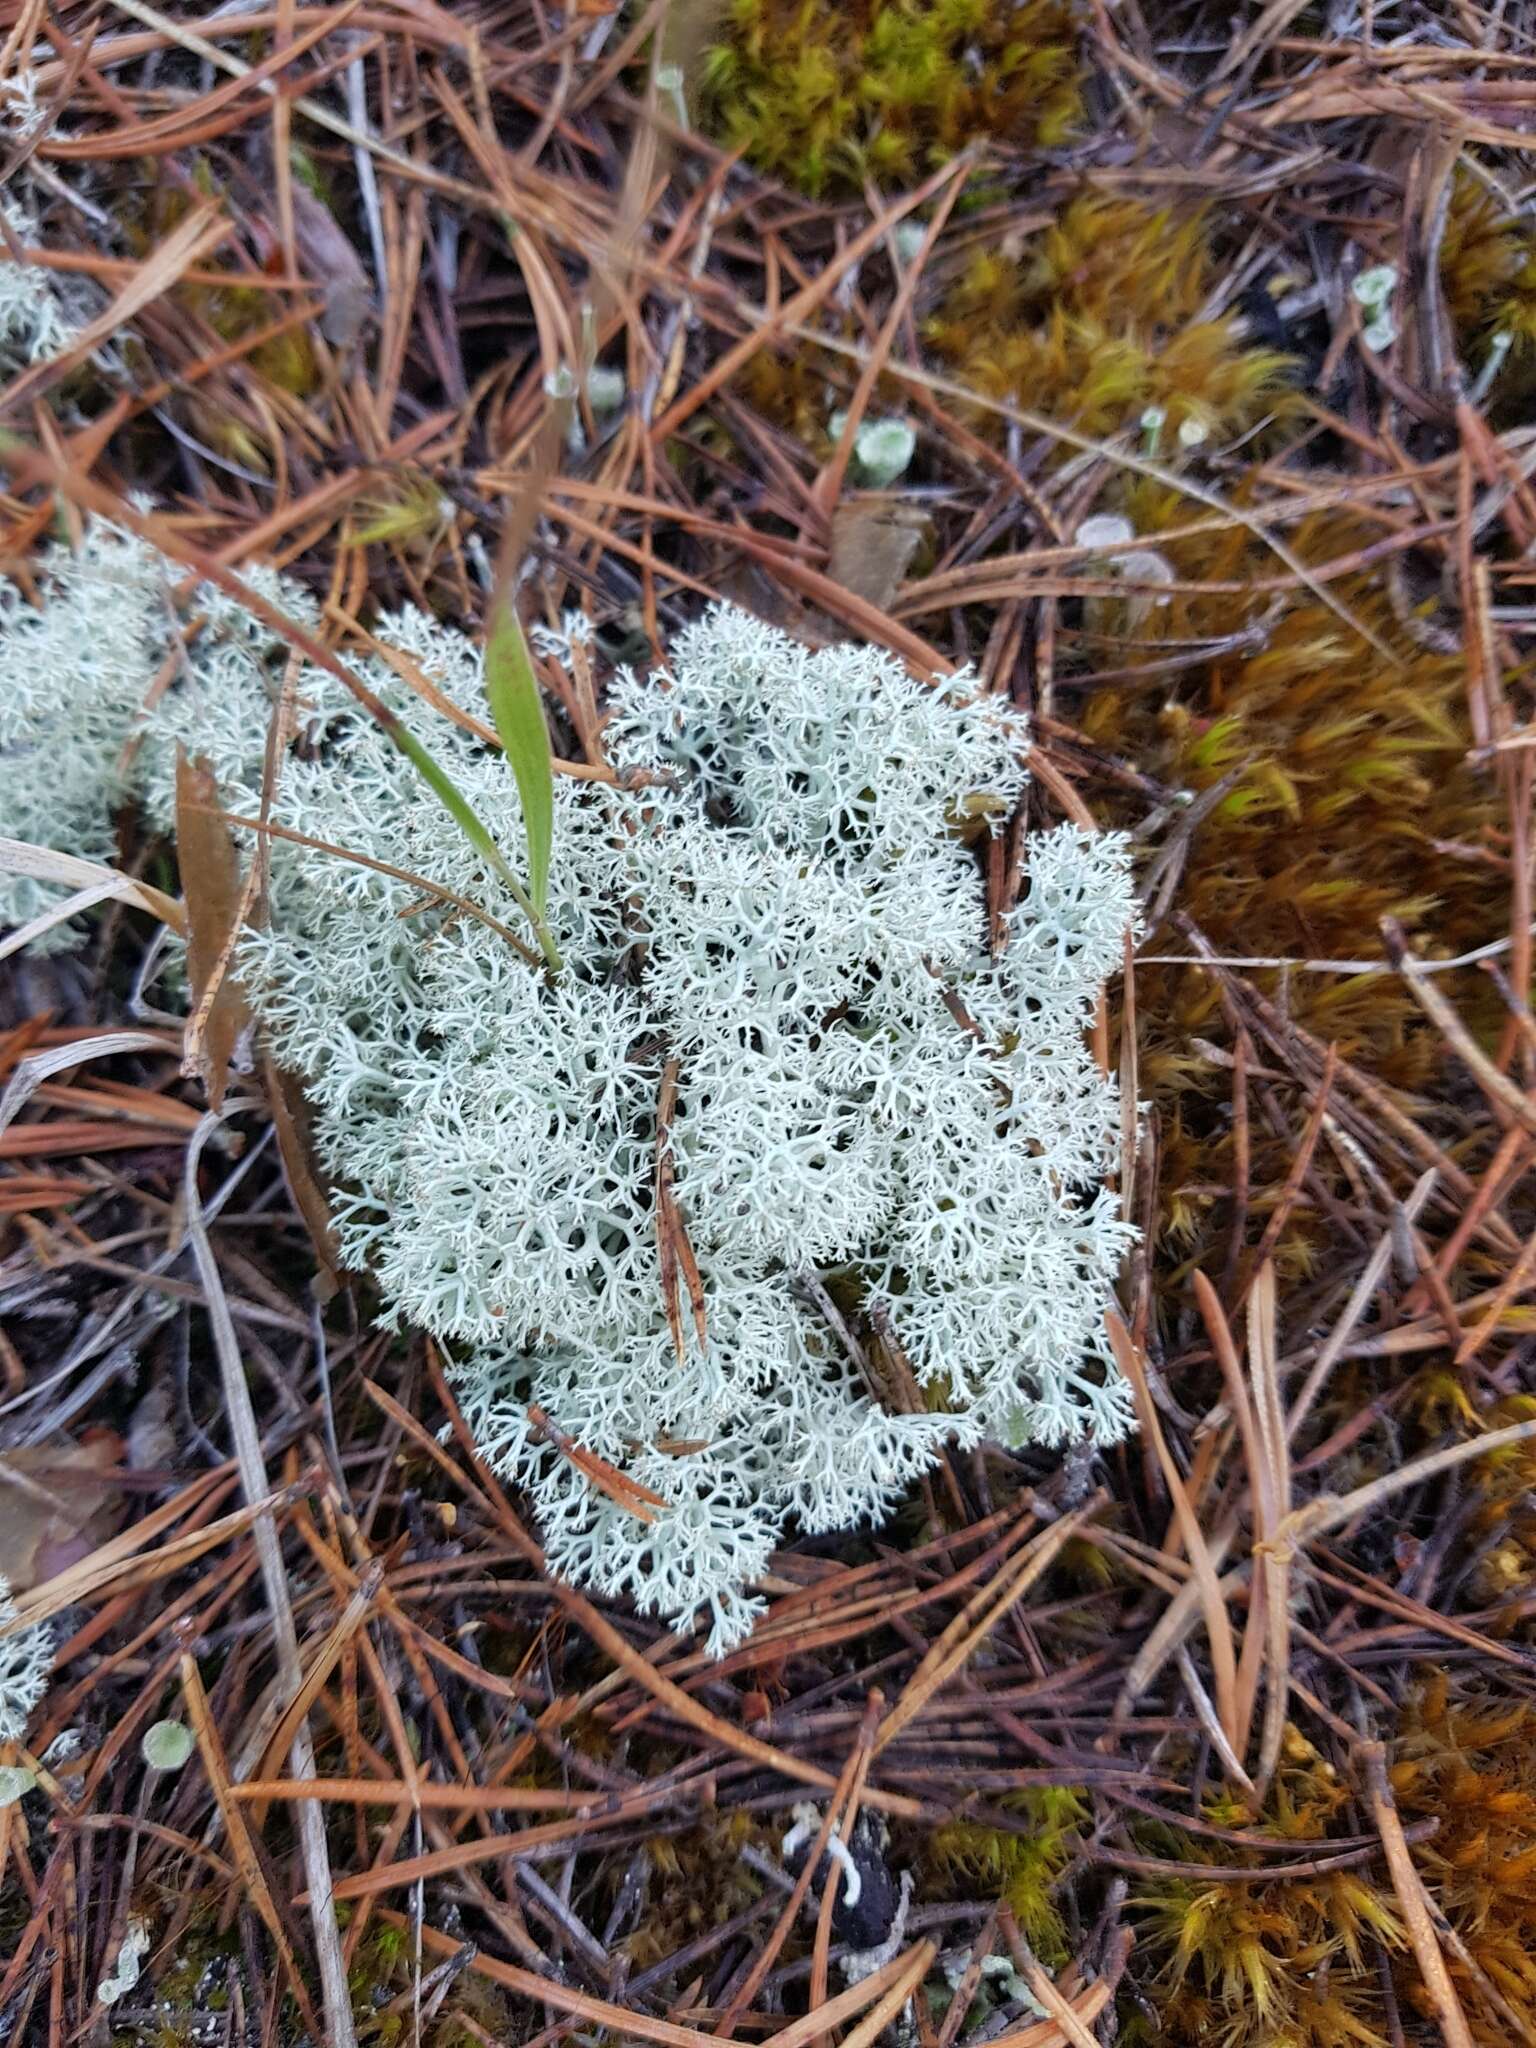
x: 779, y: 1072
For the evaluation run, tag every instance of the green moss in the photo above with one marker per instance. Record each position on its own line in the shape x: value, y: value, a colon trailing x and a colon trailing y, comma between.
x: 828, y: 97
x: 1021, y: 1869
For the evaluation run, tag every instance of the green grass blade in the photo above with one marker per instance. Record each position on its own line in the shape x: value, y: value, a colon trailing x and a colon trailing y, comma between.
x: 459, y: 808
x: 512, y: 689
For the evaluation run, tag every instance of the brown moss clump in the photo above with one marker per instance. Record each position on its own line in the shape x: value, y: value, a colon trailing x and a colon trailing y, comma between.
x: 696, y: 1880
x: 1468, y: 1761
x: 1101, y: 318
x: 829, y: 97
x: 1347, y: 797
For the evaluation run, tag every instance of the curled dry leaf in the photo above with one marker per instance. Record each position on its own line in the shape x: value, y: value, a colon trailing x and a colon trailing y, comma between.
x: 57, y: 1502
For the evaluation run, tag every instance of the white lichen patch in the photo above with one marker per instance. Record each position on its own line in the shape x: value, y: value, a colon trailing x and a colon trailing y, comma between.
x: 784, y: 907
x: 33, y: 323
x: 26, y: 1658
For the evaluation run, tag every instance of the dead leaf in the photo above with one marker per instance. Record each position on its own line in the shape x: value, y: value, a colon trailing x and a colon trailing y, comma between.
x: 57, y: 1503
x: 290, y: 1116
x: 329, y: 258
x: 874, y: 538
x: 211, y: 885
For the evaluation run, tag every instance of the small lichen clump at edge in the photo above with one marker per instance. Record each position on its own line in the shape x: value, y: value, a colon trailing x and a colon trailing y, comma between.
x: 26, y: 1658
x: 781, y: 911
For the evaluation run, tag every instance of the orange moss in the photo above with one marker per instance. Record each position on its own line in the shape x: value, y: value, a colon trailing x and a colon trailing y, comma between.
x: 1468, y: 1761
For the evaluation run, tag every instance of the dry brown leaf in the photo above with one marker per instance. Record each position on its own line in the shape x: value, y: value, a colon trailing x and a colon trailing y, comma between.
x: 873, y: 542
x: 211, y: 885
x: 57, y: 1502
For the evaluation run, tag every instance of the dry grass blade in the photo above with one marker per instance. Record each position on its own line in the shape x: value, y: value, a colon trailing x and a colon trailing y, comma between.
x: 1203, y: 1565
x: 248, y: 1455
x: 38, y: 927
x: 1409, y: 1887
x: 396, y: 1792
x: 18, y: 857
x: 34, y: 1071
x: 1271, y: 1505
x: 1255, y: 1460
x: 1359, y: 1299
x: 435, y: 890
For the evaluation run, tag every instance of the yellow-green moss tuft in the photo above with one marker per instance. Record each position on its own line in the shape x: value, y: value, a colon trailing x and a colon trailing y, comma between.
x: 828, y: 97
x: 1488, y: 266
x: 1268, y: 1961
x: 1100, y: 318
x: 1021, y: 1870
